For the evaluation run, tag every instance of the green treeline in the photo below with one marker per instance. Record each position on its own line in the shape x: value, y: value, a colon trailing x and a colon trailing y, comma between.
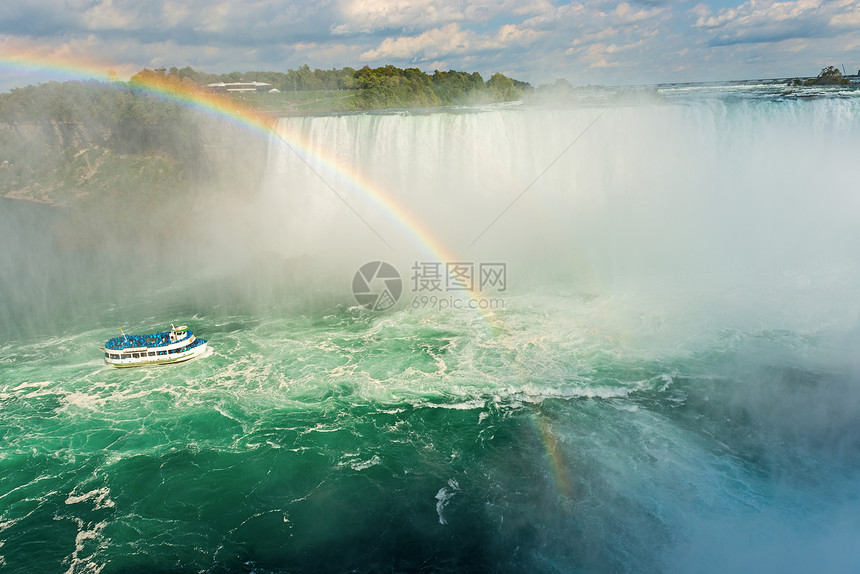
x: 72, y: 140
x: 374, y: 88
x: 391, y: 87
x: 301, y: 79
x: 124, y: 117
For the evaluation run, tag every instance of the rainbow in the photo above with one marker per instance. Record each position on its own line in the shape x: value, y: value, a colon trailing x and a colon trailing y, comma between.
x: 384, y: 202
x: 232, y: 111
x: 34, y: 64
x: 555, y: 453
x: 235, y: 112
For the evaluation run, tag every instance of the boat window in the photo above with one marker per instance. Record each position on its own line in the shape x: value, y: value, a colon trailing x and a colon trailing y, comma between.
x: 126, y: 356
x: 151, y: 354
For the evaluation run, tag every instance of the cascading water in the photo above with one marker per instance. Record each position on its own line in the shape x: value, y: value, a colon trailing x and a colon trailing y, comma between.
x: 669, y: 385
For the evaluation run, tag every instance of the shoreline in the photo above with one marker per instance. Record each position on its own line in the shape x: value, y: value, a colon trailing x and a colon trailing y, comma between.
x: 11, y: 196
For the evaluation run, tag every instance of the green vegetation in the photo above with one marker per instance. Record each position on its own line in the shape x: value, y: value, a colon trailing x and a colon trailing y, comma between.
x: 391, y: 87
x: 829, y: 76
x: 301, y: 80
x: 347, y: 89
x: 60, y: 142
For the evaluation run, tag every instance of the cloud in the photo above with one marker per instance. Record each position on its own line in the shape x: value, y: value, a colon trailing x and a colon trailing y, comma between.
x: 36, y: 18
x: 432, y: 44
x: 603, y: 34
x: 593, y: 16
x: 188, y: 21
x: 508, y: 35
x: 365, y: 16
x: 107, y: 16
x: 597, y: 55
x: 447, y: 40
x: 369, y: 16
x: 597, y: 36
x: 624, y: 13
x: 594, y: 41
x: 324, y: 52
x: 766, y: 21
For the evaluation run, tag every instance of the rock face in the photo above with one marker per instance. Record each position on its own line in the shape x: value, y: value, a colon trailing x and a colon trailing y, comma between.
x: 118, y: 192
x: 64, y: 163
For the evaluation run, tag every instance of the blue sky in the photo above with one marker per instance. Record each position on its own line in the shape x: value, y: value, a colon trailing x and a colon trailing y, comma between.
x: 586, y: 42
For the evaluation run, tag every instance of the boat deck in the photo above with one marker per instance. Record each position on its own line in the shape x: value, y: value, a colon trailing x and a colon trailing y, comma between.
x: 137, y: 341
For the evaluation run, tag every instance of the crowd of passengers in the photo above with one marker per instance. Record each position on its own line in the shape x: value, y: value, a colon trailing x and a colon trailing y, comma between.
x: 131, y: 341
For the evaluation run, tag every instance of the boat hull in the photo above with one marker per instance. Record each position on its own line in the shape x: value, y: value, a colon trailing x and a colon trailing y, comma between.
x: 152, y: 357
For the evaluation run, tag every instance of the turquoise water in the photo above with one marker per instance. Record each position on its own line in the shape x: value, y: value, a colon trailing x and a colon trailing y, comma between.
x: 609, y: 418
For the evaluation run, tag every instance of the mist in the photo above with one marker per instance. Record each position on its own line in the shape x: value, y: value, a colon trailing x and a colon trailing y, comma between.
x: 670, y: 386
x: 739, y: 212
x: 702, y: 215
x: 107, y: 189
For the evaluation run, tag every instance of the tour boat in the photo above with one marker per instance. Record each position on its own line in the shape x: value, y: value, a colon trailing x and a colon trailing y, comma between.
x: 174, y: 346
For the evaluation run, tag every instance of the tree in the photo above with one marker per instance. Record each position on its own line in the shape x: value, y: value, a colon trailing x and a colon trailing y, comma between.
x: 502, y: 88
x: 829, y: 76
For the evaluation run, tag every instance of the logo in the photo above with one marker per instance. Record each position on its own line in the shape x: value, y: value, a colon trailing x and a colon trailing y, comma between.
x: 377, y: 286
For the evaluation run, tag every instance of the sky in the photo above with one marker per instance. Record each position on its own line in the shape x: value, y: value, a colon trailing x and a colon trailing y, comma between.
x: 590, y: 42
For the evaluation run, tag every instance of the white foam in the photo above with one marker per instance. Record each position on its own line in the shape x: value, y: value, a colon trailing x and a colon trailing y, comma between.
x: 78, y: 565
x: 444, y: 496
x: 84, y: 401
x: 100, y: 495
x: 363, y: 465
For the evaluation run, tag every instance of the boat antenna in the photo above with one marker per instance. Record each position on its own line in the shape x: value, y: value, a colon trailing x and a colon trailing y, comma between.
x: 123, y: 333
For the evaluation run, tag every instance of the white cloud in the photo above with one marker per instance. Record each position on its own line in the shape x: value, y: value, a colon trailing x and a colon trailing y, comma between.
x: 624, y: 13
x: 431, y: 44
x: 217, y: 18
x: 324, y: 52
x: 174, y: 12
x: 507, y: 36
x: 366, y: 16
x: 447, y: 40
x: 602, y: 55
x: 757, y: 21
x: 598, y: 41
x: 600, y: 35
x: 849, y: 16
x: 106, y: 16
x: 369, y: 15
